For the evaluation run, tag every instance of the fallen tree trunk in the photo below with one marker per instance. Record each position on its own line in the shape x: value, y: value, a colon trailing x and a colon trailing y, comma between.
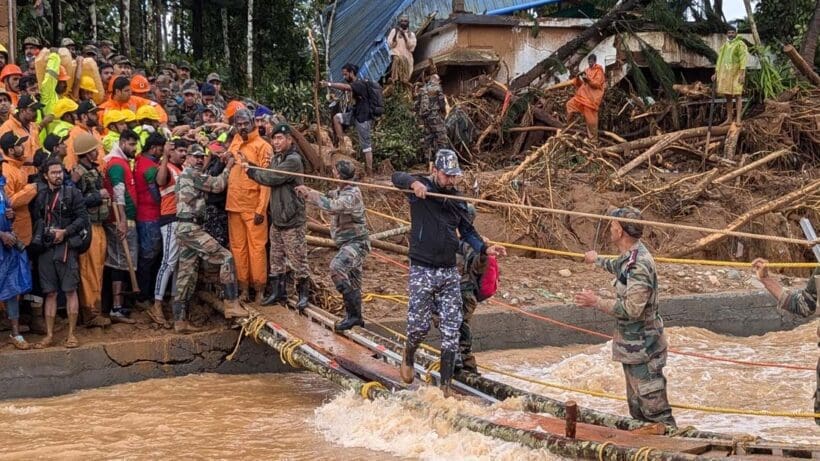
x: 586, y: 40
x: 307, y: 150
x: 760, y: 162
x: 643, y: 143
x: 328, y: 243
x: 497, y: 92
x: 801, y: 65
x: 768, y: 207
x: 662, y: 144
x: 390, y: 233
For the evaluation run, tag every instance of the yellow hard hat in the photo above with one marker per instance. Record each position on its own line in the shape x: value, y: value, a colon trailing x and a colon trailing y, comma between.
x: 87, y: 84
x: 113, y: 116
x: 129, y: 115
x: 64, y: 105
x: 147, y: 111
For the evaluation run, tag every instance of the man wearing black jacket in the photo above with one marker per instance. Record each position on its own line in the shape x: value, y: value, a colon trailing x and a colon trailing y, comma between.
x: 60, y: 212
x: 434, y: 284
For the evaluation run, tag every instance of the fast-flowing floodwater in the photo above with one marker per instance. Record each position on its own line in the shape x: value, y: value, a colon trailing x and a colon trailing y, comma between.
x: 300, y: 416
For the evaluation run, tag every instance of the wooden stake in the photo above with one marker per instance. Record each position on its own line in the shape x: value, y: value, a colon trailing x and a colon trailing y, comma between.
x: 801, y: 65
x: 571, y: 418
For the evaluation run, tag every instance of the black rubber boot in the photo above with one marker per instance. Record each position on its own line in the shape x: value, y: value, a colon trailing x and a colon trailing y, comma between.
x: 448, y: 362
x: 303, y: 289
x: 353, y: 308
x: 278, y: 293
x: 407, y: 370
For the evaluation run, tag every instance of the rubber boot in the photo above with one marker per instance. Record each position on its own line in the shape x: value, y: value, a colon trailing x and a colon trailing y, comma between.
x: 279, y: 291
x: 72, y: 324
x: 353, y: 308
x: 38, y: 325
x: 92, y: 317
x: 303, y: 289
x: 407, y: 370
x: 448, y: 362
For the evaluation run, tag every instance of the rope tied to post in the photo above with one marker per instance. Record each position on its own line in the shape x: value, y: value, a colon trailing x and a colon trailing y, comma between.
x: 250, y: 327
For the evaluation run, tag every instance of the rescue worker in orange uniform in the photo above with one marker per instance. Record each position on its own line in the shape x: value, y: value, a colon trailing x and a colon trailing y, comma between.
x: 588, y: 96
x: 10, y: 76
x: 140, y: 89
x: 18, y: 190
x: 86, y: 123
x: 247, y: 204
x: 121, y: 98
x: 22, y: 123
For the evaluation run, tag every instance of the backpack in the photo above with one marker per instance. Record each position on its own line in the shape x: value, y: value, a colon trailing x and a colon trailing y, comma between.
x: 488, y: 282
x: 375, y: 97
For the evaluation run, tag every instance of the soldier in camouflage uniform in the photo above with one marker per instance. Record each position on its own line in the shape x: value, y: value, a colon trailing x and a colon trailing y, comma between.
x: 195, y: 244
x: 434, y: 278
x: 639, y: 342
x: 799, y: 302
x: 430, y: 107
x: 471, y: 264
x: 349, y: 230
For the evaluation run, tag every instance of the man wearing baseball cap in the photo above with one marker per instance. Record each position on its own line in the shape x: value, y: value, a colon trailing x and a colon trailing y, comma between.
x: 639, y: 342
x: 22, y: 125
x: 435, y: 229
x: 216, y: 81
x: 86, y: 122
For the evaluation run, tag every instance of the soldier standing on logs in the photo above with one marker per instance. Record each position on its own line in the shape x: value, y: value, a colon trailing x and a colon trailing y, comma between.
x: 349, y: 231
x: 639, y: 342
x: 430, y: 108
x: 798, y: 302
x: 195, y: 244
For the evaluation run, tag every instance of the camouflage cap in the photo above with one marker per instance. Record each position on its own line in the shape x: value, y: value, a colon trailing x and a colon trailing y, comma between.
x: 447, y: 162
x: 346, y: 169
x: 90, y: 49
x: 67, y: 42
x: 196, y: 150
x: 632, y: 229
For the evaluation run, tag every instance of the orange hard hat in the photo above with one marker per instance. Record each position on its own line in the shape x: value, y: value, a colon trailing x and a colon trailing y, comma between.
x: 9, y: 70
x: 232, y: 107
x: 63, y: 75
x: 139, y: 84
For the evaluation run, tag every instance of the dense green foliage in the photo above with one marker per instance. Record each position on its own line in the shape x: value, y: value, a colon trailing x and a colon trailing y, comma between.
x: 398, y: 136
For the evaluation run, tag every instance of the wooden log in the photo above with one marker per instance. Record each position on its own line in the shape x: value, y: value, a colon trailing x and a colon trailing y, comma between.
x: 662, y: 144
x: 386, y: 246
x: 757, y: 163
x: 390, y: 233
x: 768, y: 207
x: 497, y: 91
x: 313, y: 157
x: 586, y: 40
x: 644, y: 143
x: 801, y: 65
x: 509, y: 176
x: 571, y: 418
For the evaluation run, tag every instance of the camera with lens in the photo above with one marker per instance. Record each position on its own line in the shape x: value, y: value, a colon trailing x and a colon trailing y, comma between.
x: 48, y: 237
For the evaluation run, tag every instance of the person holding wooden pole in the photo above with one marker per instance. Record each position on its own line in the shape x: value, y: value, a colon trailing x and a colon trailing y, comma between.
x: 588, y: 96
x: 730, y: 74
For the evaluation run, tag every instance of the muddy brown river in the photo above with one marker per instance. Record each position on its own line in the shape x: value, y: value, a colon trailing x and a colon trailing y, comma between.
x: 302, y: 417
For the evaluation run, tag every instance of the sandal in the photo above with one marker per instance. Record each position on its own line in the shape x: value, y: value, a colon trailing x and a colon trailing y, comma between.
x: 19, y: 342
x: 71, y: 343
x: 44, y: 343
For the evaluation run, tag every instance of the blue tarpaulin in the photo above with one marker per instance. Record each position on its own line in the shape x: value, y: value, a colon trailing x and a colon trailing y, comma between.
x: 360, y: 28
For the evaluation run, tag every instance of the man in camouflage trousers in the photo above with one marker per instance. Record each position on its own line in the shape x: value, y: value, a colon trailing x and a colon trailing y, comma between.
x: 430, y: 108
x: 471, y: 264
x: 288, y: 246
x: 349, y: 231
x: 639, y: 342
x: 799, y: 302
x: 434, y: 279
x: 195, y: 244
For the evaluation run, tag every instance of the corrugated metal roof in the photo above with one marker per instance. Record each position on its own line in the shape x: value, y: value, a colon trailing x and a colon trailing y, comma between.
x: 360, y: 29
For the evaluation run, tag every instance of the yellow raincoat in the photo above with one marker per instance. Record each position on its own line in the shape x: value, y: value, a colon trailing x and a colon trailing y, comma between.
x: 731, y: 67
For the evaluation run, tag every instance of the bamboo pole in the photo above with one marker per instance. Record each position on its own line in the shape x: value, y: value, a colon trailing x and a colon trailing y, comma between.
x: 757, y: 163
x: 327, y: 243
x: 317, y: 77
x: 768, y: 207
x: 801, y: 65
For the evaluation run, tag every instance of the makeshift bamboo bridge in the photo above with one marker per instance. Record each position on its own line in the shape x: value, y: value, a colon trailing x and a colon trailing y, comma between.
x: 367, y: 362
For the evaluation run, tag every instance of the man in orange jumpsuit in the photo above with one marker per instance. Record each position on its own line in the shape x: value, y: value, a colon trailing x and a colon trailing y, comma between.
x: 86, y: 123
x: 22, y: 124
x: 588, y: 96
x: 247, y: 204
x: 18, y: 191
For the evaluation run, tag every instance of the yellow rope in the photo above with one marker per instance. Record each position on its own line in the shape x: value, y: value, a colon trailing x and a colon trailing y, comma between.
x: 605, y: 395
x: 601, y: 449
x: 286, y: 353
x: 367, y: 387
x: 571, y: 254
x: 643, y: 454
x: 433, y: 367
x: 251, y: 328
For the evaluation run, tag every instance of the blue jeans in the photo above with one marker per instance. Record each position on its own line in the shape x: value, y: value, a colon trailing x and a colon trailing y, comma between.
x: 149, y: 257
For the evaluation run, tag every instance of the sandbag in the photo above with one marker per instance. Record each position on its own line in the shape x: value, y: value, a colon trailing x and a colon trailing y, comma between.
x: 90, y: 69
x: 70, y: 65
x: 40, y: 62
